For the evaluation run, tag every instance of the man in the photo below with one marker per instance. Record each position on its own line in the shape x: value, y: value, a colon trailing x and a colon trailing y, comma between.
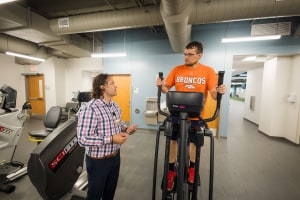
x: 101, y: 131
x: 204, y: 79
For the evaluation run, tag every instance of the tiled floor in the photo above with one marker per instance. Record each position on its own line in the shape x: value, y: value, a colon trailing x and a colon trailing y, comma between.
x: 248, y: 165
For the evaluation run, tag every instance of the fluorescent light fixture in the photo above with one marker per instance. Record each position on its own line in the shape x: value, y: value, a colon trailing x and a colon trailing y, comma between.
x: 251, y: 38
x: 107, y: 55
x: 6, y: 1
x: 256, y: 58
x: 24, y: 56
x: 250, y: 58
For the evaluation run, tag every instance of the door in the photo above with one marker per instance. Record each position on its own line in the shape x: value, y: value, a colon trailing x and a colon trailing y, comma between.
x: 36, y: 95
x: 123, y: 95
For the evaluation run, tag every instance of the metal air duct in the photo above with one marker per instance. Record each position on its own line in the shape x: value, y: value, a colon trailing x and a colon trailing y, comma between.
x: 16, y: 45
x: 175, y: 15
x: 103, y: 21
x: 21, y: 22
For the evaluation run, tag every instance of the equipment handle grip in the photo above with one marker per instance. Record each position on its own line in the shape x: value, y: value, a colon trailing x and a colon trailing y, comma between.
x: 221, y: 77
x: 161, y: 76
x: 159, y: 88
x: 220, y: 82
x: 219, y: 98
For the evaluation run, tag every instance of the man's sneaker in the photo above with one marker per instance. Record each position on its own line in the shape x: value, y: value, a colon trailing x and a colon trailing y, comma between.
x: 191, y: 176
x: 171, y: 178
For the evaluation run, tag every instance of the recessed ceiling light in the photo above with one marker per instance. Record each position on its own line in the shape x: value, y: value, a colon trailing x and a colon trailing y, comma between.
x: 249, y: 58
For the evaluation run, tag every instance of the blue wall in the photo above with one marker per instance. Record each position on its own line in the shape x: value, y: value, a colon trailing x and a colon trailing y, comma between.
x: 149, y: 53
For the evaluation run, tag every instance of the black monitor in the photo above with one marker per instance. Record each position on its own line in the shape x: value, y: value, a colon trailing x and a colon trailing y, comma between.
x: 84, y: 97
x: 9, y: 98
x: 188, y: 102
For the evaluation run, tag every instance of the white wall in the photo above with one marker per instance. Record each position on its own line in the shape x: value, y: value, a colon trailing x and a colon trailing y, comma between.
x: 10, y: 74
x: 62, y: 77
x: 279, y: 117
x: 254, y: 83
x: 281, y: 88
x: 293, y: 109
x: 79, y: 72
x: 60, y: 68
x: 267, y: 96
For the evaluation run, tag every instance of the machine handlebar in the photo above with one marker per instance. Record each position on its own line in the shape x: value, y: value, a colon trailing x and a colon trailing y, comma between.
x: 219, y: 98
x: 161, y: 76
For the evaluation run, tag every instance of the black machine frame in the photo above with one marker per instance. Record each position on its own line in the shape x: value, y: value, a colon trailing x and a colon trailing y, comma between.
x: 55, y: 164
x: 183, y: 111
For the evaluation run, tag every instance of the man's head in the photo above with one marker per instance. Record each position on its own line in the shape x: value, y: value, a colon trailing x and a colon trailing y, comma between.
x: 195, y: 45
x: 192, y: 53
x: 104, y: 84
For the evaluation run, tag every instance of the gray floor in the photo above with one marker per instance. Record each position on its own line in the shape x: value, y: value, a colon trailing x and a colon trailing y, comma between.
x: 248, y: 165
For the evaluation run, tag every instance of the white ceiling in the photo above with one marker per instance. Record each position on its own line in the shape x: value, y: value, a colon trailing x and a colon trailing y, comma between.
x: 29, y: 19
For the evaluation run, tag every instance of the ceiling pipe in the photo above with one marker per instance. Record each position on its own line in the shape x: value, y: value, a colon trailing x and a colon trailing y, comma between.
x: 9, y: 43
x: 175, y: 14
x: 232, y: 10
x: 103, y: 21
x: 177, y: 17
x: 24, y: 23
x: 16, y: 45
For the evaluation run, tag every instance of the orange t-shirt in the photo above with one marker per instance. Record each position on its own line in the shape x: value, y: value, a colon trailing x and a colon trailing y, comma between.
x: 186, y: 79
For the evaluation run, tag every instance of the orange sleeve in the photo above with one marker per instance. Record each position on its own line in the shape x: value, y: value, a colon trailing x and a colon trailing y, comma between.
x: 213, y: 79
x: 170, y: 80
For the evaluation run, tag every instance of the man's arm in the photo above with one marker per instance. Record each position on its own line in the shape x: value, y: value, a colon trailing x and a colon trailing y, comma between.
x: 164, y: 88
x: 220, y: 89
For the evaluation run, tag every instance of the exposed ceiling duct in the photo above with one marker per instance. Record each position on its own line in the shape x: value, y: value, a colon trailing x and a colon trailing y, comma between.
x: 9, y: 43
x: 13, y: 44
x: 62, y: 27
x: 103, y: 21
x: 21, y: 22
x: 212, y: 11
x: 177, y: 16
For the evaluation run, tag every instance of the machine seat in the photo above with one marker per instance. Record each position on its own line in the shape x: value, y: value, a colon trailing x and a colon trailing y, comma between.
x: 51, y: 121
x: 40, y: 133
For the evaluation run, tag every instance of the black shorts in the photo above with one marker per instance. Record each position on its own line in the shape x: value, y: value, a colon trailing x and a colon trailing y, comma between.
x: 192, y: 135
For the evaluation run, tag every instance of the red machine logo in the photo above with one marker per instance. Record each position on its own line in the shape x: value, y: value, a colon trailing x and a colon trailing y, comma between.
x: 63, y: 155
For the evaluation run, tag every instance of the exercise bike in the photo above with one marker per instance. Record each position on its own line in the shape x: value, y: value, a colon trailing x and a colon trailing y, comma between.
x: 11, y: 124
x: 185, y: 105
x: 56, y: 165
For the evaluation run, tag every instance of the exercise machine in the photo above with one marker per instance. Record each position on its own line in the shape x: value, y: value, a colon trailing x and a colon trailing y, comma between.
x: 11, y: 124
x: 185, y: 105
x: 56, y: 163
